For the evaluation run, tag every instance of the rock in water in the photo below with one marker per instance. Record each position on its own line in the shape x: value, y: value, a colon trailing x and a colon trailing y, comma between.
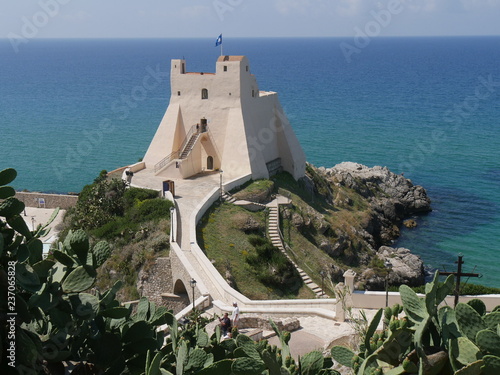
x: 370, y: 182
x: 407, y: 268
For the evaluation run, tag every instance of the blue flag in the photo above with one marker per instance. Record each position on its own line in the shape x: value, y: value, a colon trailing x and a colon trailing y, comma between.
x: 218, y: 42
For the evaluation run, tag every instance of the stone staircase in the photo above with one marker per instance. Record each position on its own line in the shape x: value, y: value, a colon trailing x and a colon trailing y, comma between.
x: 275, y: 237
x: 228, y: 197
x: 189, y: 146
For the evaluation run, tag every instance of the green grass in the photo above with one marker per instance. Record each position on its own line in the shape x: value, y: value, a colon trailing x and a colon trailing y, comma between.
x: 227, y: 246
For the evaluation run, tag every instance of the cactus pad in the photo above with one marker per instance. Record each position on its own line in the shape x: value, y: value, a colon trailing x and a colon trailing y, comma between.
x: 80, y: 279
x: 478, y: 305
x: 413, y: 306
x: 488, y: 341
x: 343, y: 355
x: 101, y: 251
x: 469, y: 321
x: 492, y: 320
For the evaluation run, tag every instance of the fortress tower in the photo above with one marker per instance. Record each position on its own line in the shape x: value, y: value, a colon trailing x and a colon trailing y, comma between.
x: 222, y: 121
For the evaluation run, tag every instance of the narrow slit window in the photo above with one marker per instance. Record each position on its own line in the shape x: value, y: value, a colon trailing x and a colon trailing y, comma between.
x: 204, y: 93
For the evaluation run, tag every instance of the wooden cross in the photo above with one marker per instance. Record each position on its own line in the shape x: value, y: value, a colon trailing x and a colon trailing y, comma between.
x: 458, y: 274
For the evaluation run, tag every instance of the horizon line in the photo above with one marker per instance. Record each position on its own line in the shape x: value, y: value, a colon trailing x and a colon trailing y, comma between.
x: 266, y: 37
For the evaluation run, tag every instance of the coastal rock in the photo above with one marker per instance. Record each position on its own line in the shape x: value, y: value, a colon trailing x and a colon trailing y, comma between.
x: 384, y: 201
x: 407, y: 268
x: 410, y: 223
x: 380, y: 179
x: 392, y: 197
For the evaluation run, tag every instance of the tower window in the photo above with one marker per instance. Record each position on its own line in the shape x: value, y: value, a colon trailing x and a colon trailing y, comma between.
x: 178, y: 93
x: 225, y: 68
x: 204, y: 93
x: 247, y: 68
x: 253, y: 93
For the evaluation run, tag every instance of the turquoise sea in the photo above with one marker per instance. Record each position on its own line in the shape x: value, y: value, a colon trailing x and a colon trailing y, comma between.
x: 425, y: 107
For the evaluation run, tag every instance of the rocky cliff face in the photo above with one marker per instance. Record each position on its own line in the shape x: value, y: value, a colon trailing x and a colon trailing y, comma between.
x: 381, y: 200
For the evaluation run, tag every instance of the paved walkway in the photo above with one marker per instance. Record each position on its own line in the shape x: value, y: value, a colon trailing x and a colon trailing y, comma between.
x: 188, y: 195
x: 35, y: 216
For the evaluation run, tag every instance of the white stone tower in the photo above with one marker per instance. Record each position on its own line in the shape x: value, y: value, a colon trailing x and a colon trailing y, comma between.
x: 222, y: 121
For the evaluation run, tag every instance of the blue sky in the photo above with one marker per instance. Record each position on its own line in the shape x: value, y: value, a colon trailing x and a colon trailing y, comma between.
x: 246, y: 18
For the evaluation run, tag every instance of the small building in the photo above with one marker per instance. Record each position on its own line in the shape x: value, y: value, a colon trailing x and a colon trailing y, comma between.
x: 222, y: 121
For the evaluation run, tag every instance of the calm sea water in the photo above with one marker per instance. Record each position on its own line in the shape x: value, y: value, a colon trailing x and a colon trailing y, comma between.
x: 425, y: 107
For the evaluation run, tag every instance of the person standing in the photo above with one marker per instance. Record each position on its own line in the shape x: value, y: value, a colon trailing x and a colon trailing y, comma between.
x: 225, y: 324
x: 235, y: 316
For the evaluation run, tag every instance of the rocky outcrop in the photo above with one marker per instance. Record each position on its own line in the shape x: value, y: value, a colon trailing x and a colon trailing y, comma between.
x: 406, y: 268
x: 400, y: 267
x: 388, y: 200
x: 402, y: 198
x: 392, y: 197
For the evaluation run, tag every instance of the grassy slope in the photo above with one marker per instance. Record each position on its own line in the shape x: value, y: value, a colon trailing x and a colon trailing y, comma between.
x: 226, y: 244
x: 305, y: 244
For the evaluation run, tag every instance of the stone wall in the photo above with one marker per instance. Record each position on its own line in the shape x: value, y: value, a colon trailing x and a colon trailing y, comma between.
x: 156, y: 284
x: 62, y: 201
x: 156, y: 280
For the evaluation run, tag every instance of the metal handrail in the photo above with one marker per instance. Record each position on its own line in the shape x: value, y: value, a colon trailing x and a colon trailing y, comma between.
x: 175, y: 155
x: 188, y: 137
x: 163, y: 162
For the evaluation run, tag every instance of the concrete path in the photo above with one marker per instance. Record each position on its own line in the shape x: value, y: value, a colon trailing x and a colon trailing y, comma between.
x: 188, y: 195
x: 35, y: 216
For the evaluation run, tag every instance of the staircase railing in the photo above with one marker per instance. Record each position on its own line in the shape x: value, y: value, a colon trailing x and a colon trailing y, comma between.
x: 163, y: 162
x: 188, y: 137
x: 175, y: 155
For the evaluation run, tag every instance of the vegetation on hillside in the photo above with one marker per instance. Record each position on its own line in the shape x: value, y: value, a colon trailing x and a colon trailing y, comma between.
x: 323, y: 237
x: 234, y: 240
x: 63, y: 325
x: 136, y: 223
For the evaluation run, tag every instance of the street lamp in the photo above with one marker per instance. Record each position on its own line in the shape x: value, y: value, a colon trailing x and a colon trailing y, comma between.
x: 323, y: 274
x: 388, y: 266
x: 193, y: 285
x: 220, y: 174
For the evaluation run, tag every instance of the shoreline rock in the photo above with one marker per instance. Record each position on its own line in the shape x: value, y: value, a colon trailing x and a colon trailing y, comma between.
x: 392, y: 199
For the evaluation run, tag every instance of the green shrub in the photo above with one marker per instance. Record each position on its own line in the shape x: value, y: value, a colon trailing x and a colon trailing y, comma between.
x: 135, y: 195
x: 151, y: 209
x: 271, y: 266
x: 119, y: 227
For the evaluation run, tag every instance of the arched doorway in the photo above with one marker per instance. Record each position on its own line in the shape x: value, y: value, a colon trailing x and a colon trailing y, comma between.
x: 180, y: 288
x: 210, y: 163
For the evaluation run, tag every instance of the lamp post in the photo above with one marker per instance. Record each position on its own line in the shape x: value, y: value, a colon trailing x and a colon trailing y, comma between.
x: 220, y: 174
x: 323, y: 274
x: 388, y: 266
x: 193, y: 285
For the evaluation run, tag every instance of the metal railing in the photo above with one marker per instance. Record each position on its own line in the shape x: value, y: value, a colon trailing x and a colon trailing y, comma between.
x: 176, y: 154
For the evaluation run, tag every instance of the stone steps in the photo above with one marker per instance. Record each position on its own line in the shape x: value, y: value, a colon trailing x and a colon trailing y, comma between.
x: 274, y: 236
